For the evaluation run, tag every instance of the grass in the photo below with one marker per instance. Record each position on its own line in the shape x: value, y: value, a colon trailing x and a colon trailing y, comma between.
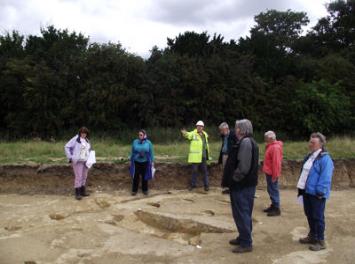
x: 109, y: 150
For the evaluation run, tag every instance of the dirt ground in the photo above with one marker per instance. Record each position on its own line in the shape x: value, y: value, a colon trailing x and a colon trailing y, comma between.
x: 165, y: 227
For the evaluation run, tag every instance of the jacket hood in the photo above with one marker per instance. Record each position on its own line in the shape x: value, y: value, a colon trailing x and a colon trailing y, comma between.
x: 275, y: 143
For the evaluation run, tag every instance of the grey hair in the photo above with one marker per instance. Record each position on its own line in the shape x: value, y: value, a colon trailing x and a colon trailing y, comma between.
x: 320, y: 136
x: 270, y: 134
x: 223, y: 125
x: 245, y: 126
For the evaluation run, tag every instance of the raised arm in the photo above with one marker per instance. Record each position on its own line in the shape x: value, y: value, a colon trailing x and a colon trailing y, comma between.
x: 187, y: 135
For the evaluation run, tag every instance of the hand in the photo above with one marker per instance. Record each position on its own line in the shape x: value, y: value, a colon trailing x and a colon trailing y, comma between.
x: 183, y: 131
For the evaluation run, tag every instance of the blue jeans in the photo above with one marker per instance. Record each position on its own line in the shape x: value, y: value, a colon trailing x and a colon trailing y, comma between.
x: 273, y: 190
x: 314, y: 210
x: 195, y: 169
x: 242, y: 201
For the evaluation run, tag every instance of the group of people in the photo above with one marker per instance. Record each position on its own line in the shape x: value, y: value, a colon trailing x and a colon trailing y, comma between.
x: 239, y: 157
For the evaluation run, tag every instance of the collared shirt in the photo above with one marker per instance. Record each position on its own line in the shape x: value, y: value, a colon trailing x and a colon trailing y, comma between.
x: 306, y: 169
x: 225, y: 144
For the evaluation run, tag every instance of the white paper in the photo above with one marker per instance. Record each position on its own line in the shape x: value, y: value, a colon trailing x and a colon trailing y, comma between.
x: 153, y: 171
x: 300, y: 199
x: 91, y: 159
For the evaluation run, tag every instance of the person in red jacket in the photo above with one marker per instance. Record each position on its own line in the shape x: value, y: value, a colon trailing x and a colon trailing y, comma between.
x: 272, y: 169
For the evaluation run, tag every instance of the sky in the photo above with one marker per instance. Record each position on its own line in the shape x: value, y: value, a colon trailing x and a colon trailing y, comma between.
x: 140, y: 24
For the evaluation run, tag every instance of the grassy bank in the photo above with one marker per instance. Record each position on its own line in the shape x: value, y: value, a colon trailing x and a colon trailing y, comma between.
x: 109, y: 150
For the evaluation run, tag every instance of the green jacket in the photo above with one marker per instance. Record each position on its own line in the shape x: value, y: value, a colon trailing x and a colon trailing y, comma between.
x: 196, y: 145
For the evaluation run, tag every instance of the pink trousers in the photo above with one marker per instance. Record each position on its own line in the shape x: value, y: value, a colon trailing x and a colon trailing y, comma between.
x: 81, y: 174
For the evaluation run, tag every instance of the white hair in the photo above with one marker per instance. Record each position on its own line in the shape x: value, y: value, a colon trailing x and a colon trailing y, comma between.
x: 223, y: 125
x: 270, y: 134
x: 320, y: 136
x: 245, y: 126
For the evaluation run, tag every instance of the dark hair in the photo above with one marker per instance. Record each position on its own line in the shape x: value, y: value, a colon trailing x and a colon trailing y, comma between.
x: 84, y: 130
x: 144, y: 132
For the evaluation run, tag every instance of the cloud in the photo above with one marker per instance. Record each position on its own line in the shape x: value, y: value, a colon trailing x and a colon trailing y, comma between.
x: 202, y: 12
x: 138, y: 24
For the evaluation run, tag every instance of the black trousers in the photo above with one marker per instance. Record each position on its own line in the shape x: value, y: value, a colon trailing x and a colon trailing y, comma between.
x: 140, y: 170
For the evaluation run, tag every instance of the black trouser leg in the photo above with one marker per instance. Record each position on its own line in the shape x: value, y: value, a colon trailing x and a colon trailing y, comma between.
x: 135, y: 183
x: 144, y: 184
x: 140, y: 170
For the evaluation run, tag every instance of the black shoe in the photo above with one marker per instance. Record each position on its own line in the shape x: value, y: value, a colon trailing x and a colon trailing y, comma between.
x: 240, y: 249
x: 83, y: 191
x: 268, y: 209
x: 226, y: 191
x: 78, y: 193
x: 207, y: 188
x: 133, y: 193
x: 274, y: 212
x: 234, y: 242
x: 145, y: 193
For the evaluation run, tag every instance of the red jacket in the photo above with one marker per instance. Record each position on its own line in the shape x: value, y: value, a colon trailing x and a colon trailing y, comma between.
x: 273, y: 159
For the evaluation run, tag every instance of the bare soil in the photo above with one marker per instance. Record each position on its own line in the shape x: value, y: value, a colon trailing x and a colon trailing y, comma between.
x: 165, y: 227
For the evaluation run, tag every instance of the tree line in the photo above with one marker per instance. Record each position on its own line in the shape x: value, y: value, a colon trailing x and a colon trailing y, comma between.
x: 279, y: 77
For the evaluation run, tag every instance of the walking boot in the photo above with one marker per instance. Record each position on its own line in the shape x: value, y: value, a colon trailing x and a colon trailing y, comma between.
x: 274, y: 212
x: 192, y: 187
x: 240, y: 249
x: 268, y: 209
x: 234, y: 242
x: 307, y: 240
x: 319, y: 245
x: 77, y: 194
x: 83, y: 191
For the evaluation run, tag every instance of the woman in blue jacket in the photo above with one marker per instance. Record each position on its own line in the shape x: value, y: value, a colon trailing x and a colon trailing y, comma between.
x: 141, y: 162
x: 314, y: 185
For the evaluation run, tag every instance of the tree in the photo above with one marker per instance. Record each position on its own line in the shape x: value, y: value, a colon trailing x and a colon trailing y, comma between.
x: 321, y: 106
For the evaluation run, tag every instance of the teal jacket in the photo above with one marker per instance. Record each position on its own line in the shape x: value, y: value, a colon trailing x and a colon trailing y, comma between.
x: 142, y: 151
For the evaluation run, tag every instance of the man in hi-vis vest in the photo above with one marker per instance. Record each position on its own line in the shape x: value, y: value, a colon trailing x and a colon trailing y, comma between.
x: 199, y: 153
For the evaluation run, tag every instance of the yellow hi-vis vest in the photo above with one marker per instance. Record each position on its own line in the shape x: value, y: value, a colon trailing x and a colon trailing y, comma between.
x: 196, y: 145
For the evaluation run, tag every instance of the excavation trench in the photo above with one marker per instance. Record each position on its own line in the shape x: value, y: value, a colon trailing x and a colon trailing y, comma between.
x: 180, y: 229
x: 58, y: 179
x: 166, y: 227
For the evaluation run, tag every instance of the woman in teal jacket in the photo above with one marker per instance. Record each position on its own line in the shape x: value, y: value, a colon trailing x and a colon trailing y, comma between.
x: 314, y: 186
x: 141, y: 162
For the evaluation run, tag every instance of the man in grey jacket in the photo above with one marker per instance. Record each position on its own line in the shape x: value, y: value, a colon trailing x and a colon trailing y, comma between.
x: 241, y: 176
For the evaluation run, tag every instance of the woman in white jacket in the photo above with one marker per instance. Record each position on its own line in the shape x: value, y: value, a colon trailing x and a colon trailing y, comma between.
x: 77, y: 151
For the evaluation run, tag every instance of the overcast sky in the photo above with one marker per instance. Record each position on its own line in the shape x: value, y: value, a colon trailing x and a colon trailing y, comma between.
x: 140, y: 24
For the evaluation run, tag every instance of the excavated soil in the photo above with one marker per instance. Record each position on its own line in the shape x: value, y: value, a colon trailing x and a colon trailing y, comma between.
x: 41, y: 222
x: 172, y: 227
x: 58, y: 179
